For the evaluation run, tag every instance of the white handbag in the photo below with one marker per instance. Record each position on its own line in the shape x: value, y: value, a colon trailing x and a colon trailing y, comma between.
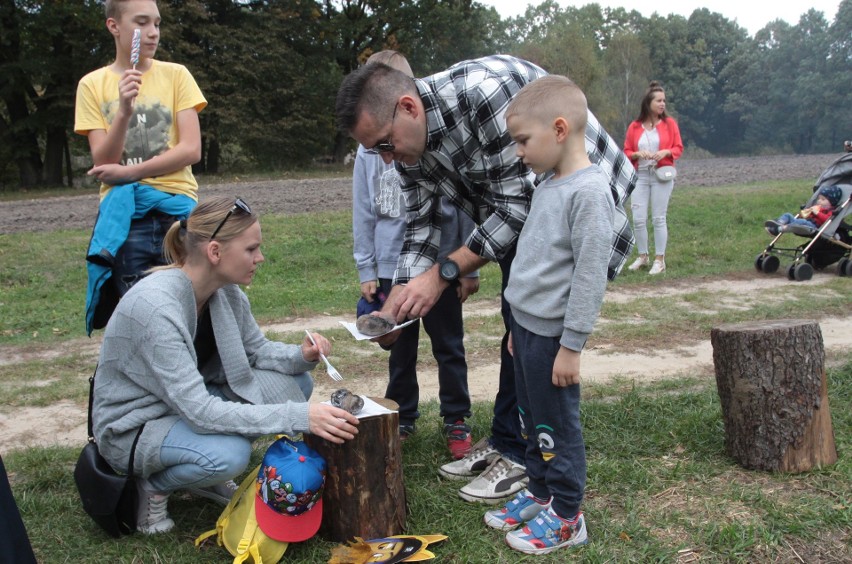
x: 665, y: 173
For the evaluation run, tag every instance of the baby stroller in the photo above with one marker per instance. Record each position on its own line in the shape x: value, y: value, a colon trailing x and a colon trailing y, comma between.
x: 830, y: 243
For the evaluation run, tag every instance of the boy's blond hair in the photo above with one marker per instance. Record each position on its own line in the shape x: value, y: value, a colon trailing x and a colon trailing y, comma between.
x: 393, y: 59
x: 551, y: 97
x: 114, y: 8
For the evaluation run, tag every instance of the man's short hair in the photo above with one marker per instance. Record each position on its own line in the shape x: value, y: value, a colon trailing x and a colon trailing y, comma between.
x: 374, y: 89
x: 551, y: 97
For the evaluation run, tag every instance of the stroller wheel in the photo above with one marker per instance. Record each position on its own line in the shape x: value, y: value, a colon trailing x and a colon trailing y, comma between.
x: 801, y: 272
x: 758, y: 262
x: 844, y: 267
x: 770, y: 264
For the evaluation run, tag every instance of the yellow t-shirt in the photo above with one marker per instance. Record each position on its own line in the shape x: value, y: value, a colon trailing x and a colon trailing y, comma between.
x: 167, y: 88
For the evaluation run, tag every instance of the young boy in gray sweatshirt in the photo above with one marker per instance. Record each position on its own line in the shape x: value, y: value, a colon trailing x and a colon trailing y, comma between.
x: 555, y: 289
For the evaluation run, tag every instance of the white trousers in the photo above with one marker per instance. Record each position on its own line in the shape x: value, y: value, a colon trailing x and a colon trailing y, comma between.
x: 650, y: 189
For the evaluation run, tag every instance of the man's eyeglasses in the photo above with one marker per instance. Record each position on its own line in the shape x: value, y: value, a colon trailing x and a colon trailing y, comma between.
x: 387, y: 145
x: 239, y: 204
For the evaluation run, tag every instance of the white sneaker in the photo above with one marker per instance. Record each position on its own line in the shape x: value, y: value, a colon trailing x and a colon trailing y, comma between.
x: 639, y: 263
x: 152, y: 516
x: 658, y: 267
x: 474, y: 463
x: 220, y: 493
x: 500, y: 480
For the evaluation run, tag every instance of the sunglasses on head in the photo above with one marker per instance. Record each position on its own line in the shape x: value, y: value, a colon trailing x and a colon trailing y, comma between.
x: 239, y: 204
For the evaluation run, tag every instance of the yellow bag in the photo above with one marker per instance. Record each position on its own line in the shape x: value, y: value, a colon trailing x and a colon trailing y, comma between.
x: 237, y: 529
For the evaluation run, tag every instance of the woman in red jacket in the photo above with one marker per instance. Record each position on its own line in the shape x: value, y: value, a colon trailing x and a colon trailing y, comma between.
x: 652, y: 141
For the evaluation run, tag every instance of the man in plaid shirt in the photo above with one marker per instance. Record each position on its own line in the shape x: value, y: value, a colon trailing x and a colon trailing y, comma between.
x: 448, y: 136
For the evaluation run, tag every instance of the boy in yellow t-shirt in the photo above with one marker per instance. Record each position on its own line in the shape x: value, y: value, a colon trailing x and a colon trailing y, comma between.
x: 141, y: 118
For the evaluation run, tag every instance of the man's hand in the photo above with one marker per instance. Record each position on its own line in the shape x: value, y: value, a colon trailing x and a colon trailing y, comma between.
x: 417, y: 297
x: 566, y: 368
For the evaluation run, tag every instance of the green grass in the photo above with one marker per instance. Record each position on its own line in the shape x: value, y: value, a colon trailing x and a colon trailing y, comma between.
x: 660, y: 486
x: 309, y: 268
x: 659, y: 482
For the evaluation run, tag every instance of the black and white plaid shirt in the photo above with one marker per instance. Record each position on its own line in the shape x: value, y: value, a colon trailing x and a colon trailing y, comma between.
x: 470, y: 158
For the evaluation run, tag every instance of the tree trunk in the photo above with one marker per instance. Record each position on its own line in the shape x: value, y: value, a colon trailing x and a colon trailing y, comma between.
x: 364, y: 495
x: 771, y: 382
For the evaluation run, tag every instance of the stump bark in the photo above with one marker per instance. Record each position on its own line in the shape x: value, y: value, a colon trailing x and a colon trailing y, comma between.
x: 364, y: 494
x: 771, y: 381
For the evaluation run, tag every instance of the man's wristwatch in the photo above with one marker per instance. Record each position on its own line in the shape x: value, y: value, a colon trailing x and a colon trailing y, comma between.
x: 449, y: 270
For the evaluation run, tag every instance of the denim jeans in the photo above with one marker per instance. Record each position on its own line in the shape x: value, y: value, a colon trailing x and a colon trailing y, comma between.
x: 198, y: 460
x: 142, y: 250
x: 790, y: 219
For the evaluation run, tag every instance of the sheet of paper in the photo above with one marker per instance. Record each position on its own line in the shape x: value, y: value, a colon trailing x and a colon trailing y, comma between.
x: 370, y: 408
x: 362, y: 337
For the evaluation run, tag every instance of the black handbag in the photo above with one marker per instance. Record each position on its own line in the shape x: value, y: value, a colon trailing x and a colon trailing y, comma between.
x: 108, y: 497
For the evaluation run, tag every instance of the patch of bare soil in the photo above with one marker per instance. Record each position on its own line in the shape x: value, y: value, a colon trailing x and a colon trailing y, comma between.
x: 298, y: 196
x: 65, y: 422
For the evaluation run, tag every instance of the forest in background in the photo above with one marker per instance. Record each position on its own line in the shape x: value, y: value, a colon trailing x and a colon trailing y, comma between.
x: 270, y: 72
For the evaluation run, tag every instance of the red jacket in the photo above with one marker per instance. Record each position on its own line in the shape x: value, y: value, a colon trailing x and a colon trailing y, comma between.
x: 669, y: 139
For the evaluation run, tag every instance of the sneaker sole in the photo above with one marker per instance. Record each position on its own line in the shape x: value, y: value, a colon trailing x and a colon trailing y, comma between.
x: 516, y: 486
x: 500, y: 525
x: 548, y: 550
x: 163, y: 526
x: 527, y: 549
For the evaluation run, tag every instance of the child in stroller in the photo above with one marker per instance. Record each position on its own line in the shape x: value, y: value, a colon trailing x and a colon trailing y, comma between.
x: 810, y: 217
x: 829, y: 239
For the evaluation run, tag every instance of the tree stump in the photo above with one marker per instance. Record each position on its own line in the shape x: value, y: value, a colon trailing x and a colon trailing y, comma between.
x: 771, y: 381
x: 364, y: 495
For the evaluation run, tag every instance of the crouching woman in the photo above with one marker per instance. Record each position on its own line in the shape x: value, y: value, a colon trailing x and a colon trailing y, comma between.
x: 183, y: 356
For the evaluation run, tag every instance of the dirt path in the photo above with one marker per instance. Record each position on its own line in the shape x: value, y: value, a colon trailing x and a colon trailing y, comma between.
x: 64, y: 423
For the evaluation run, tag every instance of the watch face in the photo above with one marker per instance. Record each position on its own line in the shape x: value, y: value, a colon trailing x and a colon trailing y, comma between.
x: 449, y: 271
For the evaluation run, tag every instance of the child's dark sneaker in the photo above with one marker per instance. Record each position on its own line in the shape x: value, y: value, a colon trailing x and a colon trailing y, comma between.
x: 405, y: 431
x: 548, y: 532
x: 458, y: 438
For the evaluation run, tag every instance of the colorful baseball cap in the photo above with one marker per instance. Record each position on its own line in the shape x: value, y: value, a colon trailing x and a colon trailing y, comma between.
x: 289, y: 491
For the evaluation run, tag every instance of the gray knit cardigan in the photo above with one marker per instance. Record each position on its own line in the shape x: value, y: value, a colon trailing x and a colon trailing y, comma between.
x: 147, y: 373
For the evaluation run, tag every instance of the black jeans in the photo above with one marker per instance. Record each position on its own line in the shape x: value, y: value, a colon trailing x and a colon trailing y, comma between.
x: 506, y: 425
x: 445, y: 328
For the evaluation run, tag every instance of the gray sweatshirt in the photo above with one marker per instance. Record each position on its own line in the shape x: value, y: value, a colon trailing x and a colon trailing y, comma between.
x: 147, y: 372
x: 559, y: 274
x: 378, y: 219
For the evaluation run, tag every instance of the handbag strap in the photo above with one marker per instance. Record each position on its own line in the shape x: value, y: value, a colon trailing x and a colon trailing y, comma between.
x: 90, y: 430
